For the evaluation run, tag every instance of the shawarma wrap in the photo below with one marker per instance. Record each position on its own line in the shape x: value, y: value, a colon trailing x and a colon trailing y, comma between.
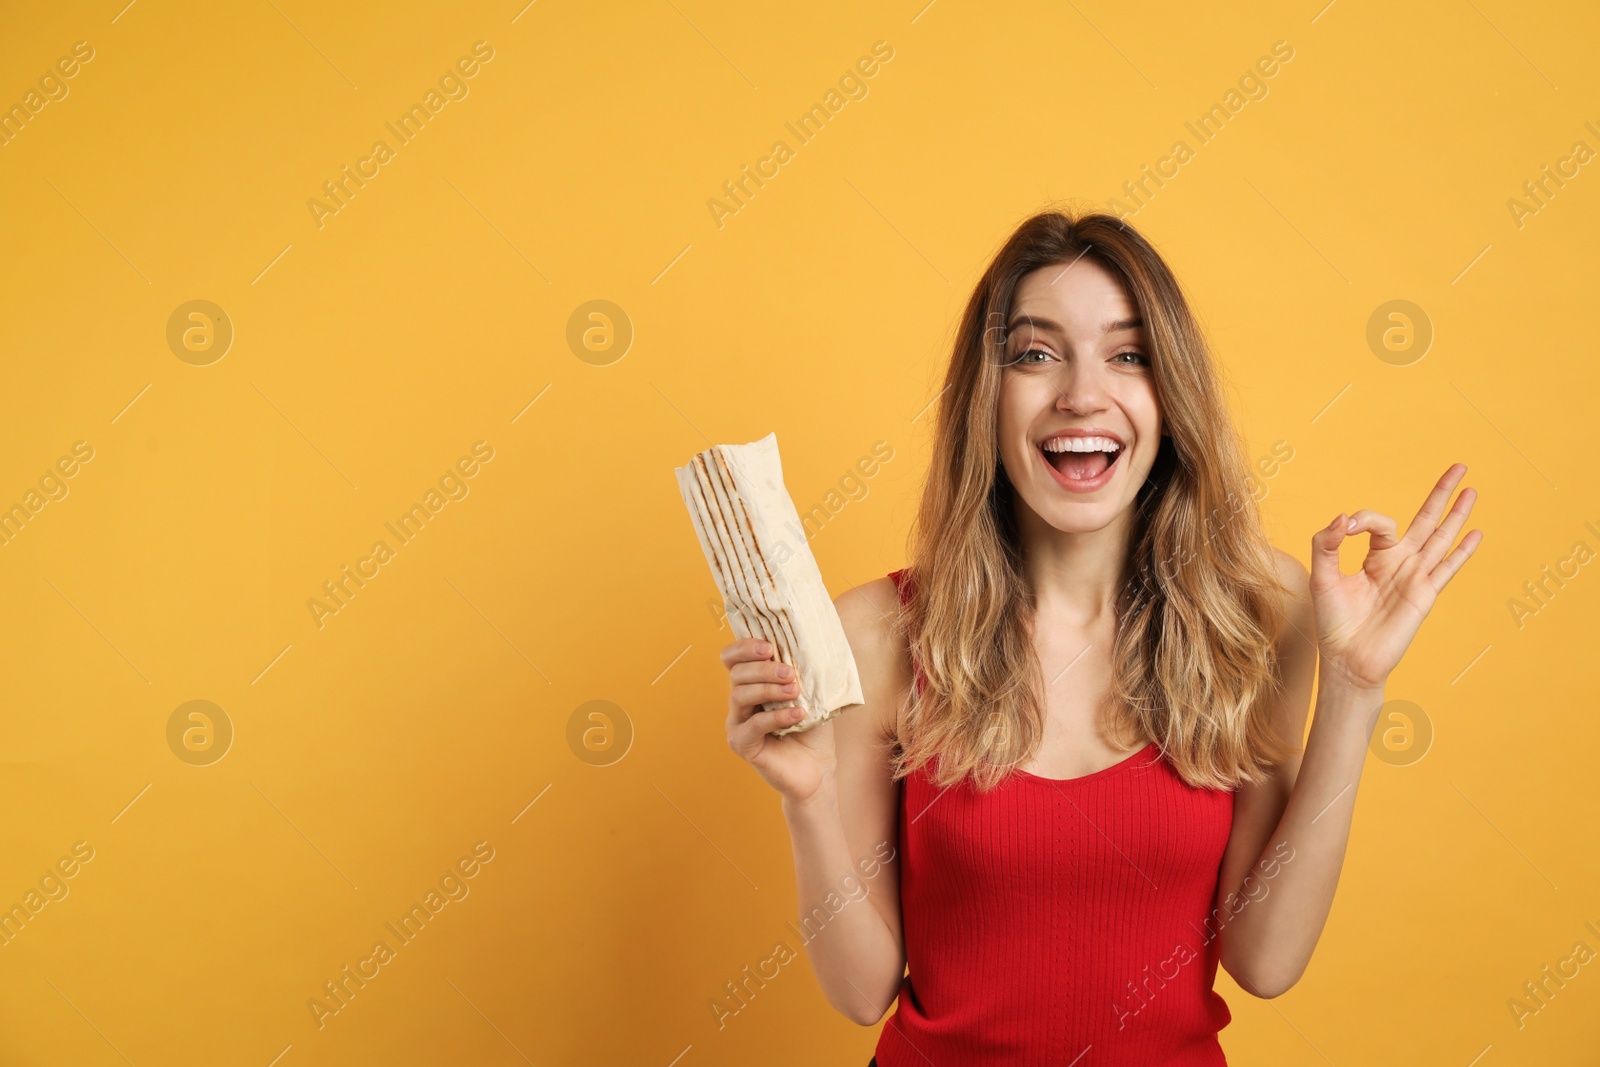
x: 771, y: 588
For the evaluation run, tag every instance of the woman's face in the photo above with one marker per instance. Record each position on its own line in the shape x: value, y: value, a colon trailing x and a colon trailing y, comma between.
x: 1078, y: 420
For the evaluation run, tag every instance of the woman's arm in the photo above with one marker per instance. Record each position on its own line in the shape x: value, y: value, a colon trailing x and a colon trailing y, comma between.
x: 841, y: 805
x: 1259, y: 808
x: 1273, y: 912
x: 1290, y: 833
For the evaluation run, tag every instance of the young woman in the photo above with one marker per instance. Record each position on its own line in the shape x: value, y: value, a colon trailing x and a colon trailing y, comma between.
x: 1085, y: 698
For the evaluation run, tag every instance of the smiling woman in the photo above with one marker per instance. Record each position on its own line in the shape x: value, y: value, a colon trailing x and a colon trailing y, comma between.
x: 1079, y: 412
x: 1084, y: 699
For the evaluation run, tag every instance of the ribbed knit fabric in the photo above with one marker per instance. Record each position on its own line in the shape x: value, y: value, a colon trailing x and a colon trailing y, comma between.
x: 1059, y: 921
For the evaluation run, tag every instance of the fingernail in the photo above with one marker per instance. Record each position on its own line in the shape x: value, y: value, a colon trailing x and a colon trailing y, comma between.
x: 1351, y: 528
x: 763, y: 649
x: 1334, y: 525
x: 796, y: 714
x: 790, y: 687
x: 785, y: 671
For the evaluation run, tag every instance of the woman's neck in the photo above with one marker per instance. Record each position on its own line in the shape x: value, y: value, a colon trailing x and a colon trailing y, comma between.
x: 1074, y: 576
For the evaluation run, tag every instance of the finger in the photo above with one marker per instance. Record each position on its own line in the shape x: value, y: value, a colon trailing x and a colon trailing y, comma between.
x: 744, y: 650
x: 1382, y: 528
x: 1421, y: 527
x: 1325, y: 553
x: 761, y: 670
x: 1437, y: 545
x: 748, y: 696
x: 749, y: 736
x: 741, y: 709
x: 1447, y: 568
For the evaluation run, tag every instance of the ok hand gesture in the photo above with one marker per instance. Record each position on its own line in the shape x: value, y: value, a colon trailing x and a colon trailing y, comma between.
x: 1366, y: 620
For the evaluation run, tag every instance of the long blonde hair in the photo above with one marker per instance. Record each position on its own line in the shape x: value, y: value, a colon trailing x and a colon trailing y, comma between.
x: 1199, y: 609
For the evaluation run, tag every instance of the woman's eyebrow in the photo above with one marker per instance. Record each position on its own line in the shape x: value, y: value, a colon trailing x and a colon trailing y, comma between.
x: 1023, y: 319
x: 1046, y: 324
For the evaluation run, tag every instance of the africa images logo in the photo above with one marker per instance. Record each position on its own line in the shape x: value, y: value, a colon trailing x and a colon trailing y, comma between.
x: 452, y: 485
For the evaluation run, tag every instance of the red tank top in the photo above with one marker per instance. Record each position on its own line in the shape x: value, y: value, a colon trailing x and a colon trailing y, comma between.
x: 1060, y: 922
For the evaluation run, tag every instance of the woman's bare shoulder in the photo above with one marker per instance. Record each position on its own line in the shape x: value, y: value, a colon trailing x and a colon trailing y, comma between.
x: 1291, y: 571
x: 1295, y: 640
x: 1295, y: 580
x: 868, y: 613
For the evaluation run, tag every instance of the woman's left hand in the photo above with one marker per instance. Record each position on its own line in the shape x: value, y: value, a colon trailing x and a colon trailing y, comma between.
x: 1366, y: 620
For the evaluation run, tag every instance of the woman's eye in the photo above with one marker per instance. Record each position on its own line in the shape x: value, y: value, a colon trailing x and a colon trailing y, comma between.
x: 1026, y: 357
x: 1138, y: 357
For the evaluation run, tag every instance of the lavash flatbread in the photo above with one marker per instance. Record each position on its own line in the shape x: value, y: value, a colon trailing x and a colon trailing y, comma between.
x: 771, y: 588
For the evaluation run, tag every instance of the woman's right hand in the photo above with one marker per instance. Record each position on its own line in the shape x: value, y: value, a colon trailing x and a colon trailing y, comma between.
x: 798, y: 765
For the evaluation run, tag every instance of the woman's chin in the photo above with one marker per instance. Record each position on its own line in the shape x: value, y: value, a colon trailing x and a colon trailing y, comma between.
x: 1074, y: 516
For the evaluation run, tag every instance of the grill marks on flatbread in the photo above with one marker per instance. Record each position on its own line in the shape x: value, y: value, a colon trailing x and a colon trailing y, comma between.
x: 787, y: 640
x: 738, y: 556
x: 772, y: 590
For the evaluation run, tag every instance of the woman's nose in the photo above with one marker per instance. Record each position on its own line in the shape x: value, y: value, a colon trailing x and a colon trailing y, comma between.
x: 1079, y: 388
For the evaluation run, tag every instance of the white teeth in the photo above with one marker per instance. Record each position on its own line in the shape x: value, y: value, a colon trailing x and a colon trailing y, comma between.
x: 1082, y: 444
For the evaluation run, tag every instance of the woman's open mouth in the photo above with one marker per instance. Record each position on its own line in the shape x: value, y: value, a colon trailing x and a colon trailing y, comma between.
x: 1081, y: 464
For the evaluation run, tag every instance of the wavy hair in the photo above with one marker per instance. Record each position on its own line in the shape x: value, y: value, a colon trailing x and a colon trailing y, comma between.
x: 1199, y: 607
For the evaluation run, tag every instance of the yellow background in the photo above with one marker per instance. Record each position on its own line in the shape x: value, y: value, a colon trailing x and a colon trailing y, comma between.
x: 372, y: 352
